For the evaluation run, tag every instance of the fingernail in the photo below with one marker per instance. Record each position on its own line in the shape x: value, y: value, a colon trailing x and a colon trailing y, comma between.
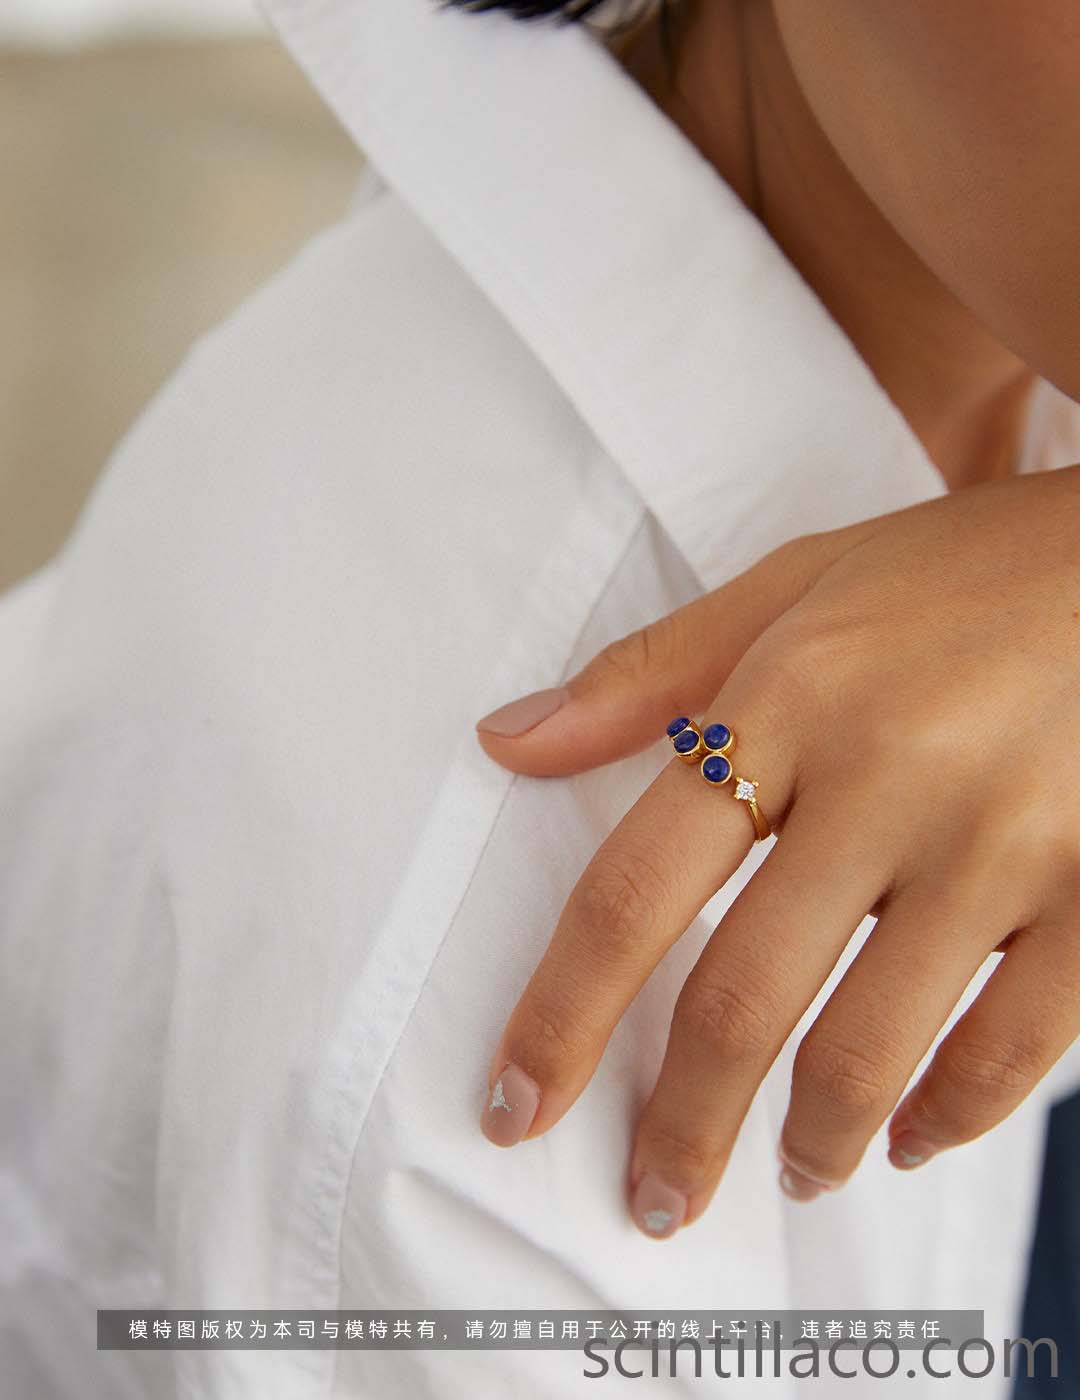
x: 910, y: 1150
x: 511, y: 1107
x: 658, y: 1209
x: 519, y: 715
x: 797, y: 1186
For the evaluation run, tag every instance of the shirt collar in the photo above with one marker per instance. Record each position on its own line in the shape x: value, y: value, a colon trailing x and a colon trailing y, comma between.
x: 697, y: 355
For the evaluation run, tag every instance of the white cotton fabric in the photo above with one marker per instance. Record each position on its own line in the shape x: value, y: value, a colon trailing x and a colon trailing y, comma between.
x: 265, y: 905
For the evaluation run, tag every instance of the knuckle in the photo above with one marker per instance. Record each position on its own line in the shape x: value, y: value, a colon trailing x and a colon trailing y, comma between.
x: 964, y: 883
x: 653, y: 648
x: 1067, y: 893
x: 618, y: 901
x: 685, y: 1161
x: 898, y: 746
x: 976, y: 850
x: 798, y: 559
x: 548, y: 1035
x: 981, y: 1070
x: 1006, y: 824
x: 732, y: 1019
x: 851, y: 1081
x: 886, y: 744
x: 1065, y: 845
x: 1038, y: 840
x: 802, y: 660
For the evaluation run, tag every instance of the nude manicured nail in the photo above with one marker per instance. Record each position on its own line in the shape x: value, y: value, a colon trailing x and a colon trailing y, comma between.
x: 515, y: 718
x: 797, y: 1186
x: 658, y: 1209
x: 909, y: 1150
x: 510, y: 1108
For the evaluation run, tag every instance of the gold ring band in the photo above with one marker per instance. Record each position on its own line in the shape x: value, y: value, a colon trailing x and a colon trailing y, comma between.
x: 709, y: 749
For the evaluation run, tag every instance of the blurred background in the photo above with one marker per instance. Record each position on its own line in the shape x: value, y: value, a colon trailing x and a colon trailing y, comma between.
x: 159, y: 159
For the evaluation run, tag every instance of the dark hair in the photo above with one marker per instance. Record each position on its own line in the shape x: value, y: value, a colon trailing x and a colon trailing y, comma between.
x: 533, y: 9
x: 566, y: 11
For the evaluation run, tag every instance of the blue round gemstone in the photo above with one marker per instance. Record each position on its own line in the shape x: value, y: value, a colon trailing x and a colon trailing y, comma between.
x: 677, y: 724
x: 684, y: 742
x: 716, y: 768
x: 716, y: 735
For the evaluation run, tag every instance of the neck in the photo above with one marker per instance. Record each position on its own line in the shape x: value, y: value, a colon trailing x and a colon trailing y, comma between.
x: 733, y: 94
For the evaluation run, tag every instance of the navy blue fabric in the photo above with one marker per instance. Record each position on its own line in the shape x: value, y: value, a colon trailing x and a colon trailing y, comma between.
x: 1052, y: 1301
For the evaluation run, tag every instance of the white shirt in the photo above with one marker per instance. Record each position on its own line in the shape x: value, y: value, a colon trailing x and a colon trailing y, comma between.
x: 266, y: 904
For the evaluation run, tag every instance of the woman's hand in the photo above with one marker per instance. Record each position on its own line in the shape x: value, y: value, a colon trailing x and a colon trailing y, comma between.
x: 907, y: 693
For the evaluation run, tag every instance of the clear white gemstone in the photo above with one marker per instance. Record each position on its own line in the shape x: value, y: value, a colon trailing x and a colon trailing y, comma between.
x: 744, y: 788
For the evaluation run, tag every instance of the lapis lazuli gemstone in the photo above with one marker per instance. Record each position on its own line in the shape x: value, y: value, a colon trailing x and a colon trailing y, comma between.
x: 716, y: 768
x: 684, y: 742
x: 677, y: 724
x: 716, y: 735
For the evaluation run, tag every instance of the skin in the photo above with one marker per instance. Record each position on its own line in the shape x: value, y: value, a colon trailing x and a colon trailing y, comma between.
x: 916, y: 163
x: 895, y: 152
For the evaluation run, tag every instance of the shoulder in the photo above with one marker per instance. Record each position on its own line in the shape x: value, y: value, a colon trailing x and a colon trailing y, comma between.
x: 348, y: 485
x: 365, y: 425
x: 359, y: 515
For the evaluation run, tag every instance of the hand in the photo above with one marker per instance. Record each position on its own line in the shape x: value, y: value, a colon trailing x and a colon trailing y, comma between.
x: 905, y: 690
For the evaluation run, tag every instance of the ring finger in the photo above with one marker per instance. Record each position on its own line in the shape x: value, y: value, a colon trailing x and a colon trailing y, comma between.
x: 755, y: 978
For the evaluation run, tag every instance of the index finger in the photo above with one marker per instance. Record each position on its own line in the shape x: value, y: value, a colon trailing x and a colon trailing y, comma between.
x: 675, y: 847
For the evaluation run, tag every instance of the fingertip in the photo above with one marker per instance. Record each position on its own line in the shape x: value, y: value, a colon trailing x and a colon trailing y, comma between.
x: 798, y: 1187
x: 511, y: 1107
x: 657, y: 1208
x: 908, y: 1149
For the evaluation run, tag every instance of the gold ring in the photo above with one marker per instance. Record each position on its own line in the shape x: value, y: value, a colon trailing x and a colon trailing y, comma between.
x: 710, y: 749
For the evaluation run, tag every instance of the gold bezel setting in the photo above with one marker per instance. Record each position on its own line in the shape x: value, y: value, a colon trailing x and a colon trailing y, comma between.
x: 702, y: 753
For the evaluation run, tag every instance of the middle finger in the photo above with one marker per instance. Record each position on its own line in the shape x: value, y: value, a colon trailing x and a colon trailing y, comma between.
x: 752, y: 983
